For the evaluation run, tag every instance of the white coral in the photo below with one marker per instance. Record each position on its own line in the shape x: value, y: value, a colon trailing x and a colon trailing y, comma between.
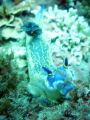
x: 70, y: 29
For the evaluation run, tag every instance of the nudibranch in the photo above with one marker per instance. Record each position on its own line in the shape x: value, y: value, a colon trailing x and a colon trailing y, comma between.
x: 45, y: 79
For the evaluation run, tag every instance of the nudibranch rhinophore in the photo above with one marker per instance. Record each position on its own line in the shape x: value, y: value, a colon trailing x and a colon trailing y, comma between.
x: 45, y: 79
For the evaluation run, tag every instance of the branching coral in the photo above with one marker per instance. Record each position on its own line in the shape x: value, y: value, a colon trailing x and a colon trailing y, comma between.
x: 69, y: 30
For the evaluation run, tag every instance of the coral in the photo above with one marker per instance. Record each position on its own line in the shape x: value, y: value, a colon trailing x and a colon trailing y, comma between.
x: 14, y: 28
x: 48, y: 3
x: 17, y: 1
x: 10, y: 17
x: 14, y: 9
x: 67, y: 35
x: 5, y: 18
x: 83, y: 9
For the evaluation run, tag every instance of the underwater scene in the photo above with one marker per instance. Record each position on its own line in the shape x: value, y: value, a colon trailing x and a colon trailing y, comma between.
x: 44, y: 59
